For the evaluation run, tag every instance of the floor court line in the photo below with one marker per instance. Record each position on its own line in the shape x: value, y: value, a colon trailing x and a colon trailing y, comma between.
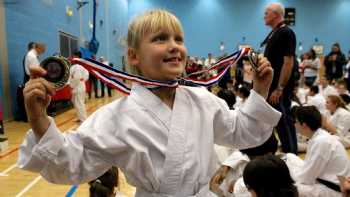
x: 4, y: 173
x: 30, y: 185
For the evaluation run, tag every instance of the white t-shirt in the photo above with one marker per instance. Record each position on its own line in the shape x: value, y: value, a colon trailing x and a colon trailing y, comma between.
x: 308, y: 72
x: 31, y: 60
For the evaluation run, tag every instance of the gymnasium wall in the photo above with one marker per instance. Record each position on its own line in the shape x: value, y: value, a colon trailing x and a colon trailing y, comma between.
x: 41, y: 20
x: 207, y: 22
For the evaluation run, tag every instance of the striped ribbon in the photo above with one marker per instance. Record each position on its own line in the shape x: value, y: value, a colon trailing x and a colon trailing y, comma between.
x: 114, y: 78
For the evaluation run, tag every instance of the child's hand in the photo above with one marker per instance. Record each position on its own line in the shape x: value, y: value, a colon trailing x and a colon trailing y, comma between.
x: 263, y: 77
x: 217, y: 179
x: 345, y: 186
x: 37, y: 95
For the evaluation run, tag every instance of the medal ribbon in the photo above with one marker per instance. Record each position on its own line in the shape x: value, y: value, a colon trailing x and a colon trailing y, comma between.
x: 114, y: 78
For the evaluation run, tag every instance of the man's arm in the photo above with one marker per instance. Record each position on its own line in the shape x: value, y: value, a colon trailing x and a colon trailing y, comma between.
x: 287, y: 68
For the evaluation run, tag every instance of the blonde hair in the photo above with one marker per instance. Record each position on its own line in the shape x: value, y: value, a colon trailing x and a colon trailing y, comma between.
x: 337, y: 101
x: 150, y: 22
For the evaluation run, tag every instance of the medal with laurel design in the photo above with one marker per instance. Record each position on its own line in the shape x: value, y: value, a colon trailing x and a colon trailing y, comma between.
x: 57, y: 69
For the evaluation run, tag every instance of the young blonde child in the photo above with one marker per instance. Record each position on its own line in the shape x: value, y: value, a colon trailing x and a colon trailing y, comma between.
x: 161, y: 139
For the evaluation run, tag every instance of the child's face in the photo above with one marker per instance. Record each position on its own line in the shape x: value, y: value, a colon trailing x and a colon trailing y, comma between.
x: 330, y: 105
x: 341, y: 89
x: 161, y: 55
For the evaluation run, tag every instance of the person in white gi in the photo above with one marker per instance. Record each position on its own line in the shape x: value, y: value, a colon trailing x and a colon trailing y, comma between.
x: 317, y: 100
x: 162, y: 139
x: 31, y: 59
x: 325, y: 159
x: 269, y: 176
x: 209, y: 62
x: 326, y: 88
x: 77, y: 78
x: 339, y: 119
x: 233, y: 177
x: 232, y: 168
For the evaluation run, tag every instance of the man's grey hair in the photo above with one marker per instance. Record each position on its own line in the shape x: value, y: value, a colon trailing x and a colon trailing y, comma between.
x: 277, y: 8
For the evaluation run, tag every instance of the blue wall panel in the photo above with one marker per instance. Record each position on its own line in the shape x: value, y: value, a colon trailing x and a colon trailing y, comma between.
x: 40, y: 20
x: 207, y: 22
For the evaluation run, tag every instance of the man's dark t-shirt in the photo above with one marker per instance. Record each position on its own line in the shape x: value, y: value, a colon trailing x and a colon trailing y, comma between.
x: 280, y: 43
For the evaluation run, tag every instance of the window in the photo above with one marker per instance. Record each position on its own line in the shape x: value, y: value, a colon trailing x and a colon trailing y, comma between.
x: 68, y: 44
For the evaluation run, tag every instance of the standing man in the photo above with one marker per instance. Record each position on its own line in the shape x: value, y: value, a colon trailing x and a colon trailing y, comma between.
x: 32, y: 56
x: 105, y: 62
x: 30, y: 46
x: 78, y: 76
x: 280, y: 51
x: 29, y: 60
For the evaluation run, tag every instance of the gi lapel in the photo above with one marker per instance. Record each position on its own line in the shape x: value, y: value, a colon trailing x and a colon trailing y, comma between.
x: 152, y: 103
x: 174, y: 155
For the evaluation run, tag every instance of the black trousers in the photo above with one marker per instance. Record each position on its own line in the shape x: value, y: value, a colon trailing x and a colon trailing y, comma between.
x: 285, y: 127
x: 93, y: 81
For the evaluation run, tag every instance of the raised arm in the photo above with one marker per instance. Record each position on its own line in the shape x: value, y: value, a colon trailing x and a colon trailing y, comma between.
x: 252, y: 124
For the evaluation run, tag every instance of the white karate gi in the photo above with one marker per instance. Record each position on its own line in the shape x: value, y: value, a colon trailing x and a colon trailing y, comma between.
x: 294, y: 164
x: 319, y: 102
x: 341, y: 120
x: 325, y: 159
x: 237, y: 162
x: 78, y: 72
x: 161, y: 151
x: 302, y: 94
x: 329, y: 90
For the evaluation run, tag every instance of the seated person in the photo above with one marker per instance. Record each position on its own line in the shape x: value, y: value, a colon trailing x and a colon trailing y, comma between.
x: 325, y: 157
x: 346, y: 99
x: 302, y: 140
x: 326, y: 88
x: 243, y: 93
x: 226, y: 93
x: 316, y: 99
x: 269, y: 176
x: 232, y: 168
x: 342, y: 87
x: 339, y: 119
x: 104, y: 186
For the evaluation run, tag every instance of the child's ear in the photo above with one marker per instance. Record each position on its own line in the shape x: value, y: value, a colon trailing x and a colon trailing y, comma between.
x: 132, y: 57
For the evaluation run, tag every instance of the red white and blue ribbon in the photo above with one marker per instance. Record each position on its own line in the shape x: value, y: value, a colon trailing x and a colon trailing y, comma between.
x: 114, y: 78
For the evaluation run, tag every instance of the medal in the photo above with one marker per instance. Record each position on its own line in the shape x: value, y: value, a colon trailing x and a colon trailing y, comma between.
x: 57, y: 69
x: 253, y: 58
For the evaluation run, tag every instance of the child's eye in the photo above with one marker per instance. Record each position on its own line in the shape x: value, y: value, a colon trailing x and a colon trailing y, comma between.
x: 179, y: 39
x: 160, y: 38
